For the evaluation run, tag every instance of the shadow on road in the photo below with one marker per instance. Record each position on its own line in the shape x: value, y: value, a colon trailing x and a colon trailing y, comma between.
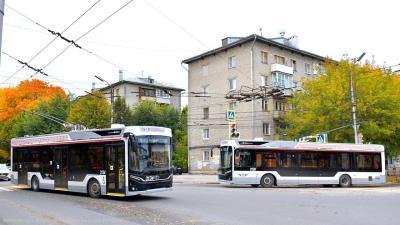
x: 137, y: 198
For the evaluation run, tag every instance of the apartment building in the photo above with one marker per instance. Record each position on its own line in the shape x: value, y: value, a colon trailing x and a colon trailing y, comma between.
x: 242, y: 63
x: 143, y: 88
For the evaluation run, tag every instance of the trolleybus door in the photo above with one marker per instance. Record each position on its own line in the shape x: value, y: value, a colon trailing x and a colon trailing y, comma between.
x: 115, y: 158
x: 22, y: 167
x: 60, y: 168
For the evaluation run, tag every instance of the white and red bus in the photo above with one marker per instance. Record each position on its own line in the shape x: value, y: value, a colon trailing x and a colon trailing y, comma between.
x: 270, y: 163
x: 117, y: 161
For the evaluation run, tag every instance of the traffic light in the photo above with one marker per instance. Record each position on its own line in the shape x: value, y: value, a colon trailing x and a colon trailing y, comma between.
x: 233, y: 131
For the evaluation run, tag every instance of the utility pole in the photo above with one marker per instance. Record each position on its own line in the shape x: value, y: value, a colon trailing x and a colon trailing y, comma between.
x: 352, y: 98
x: 111, y: 96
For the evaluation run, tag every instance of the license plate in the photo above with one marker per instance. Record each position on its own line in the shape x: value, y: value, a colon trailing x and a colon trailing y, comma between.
x: 152, y: 178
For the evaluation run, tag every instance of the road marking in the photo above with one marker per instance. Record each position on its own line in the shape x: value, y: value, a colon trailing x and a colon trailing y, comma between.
x: 5, y: 189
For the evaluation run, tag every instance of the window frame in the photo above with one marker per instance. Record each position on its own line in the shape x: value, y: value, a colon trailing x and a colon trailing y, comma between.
x: 232, y: 62
x: 206, y: 133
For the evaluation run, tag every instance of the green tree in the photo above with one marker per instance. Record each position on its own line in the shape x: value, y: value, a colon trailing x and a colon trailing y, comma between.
x: 149, y: 113
x: 92, y: 111
x: 180, y: 156
x: 30, y: 124
x: 122, y: 113
x: 324, y: 104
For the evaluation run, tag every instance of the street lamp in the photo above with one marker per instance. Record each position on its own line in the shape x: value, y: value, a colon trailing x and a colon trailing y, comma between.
x: 353, y: 102
x: 111, y: 95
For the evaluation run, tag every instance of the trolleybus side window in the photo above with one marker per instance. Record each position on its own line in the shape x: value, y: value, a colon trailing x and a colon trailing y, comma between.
x: 288, y: 159
x: 368, y: 162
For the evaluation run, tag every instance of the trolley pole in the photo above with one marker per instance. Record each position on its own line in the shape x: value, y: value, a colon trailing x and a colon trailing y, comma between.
x: 111, y: 96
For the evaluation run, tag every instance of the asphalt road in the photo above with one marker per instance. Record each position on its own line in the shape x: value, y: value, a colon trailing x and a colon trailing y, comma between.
x: 206, y: 204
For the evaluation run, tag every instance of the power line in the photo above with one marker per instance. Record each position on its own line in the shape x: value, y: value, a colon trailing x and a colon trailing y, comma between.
x: 86, y: 33
x: 48, y: 44
x: 176, y: 24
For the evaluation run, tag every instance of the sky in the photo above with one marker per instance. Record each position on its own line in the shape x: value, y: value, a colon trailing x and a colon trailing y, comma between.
x: 152, y: 37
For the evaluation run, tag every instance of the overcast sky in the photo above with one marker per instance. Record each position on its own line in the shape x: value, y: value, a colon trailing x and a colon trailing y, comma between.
x: 152, y: 37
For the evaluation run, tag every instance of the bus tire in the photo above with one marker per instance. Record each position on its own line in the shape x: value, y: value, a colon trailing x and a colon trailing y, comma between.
x: 267, y: 181
x: 35, y: 186
x: 94, y: 188
x: 345, y: 181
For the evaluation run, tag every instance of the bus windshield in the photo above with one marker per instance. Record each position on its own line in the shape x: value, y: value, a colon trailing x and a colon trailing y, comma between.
x: 152, y: 153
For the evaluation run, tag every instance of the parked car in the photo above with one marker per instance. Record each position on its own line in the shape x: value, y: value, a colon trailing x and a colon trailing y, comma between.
x: 4, y: 172
x: 176, y: 169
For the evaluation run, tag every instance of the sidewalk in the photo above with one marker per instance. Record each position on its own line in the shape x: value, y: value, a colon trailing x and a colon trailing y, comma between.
x: 196, y: 179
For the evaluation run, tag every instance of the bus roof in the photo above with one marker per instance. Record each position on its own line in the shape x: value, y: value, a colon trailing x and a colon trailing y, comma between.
x: 85, y: 136
x: 310, y: 146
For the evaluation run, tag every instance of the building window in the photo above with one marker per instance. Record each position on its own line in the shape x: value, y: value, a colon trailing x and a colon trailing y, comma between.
x: 116, y: 93
x: 232, y: 84
x: 280, y: 106
x: 294, y: 65
x: 279, y: 59
x: 232, y: 105
x: 204, y: 70
x: 149, y: 92
x: 162, y: 93
x: 263, y: 81
x: 206, y: 134
x: 307, y: 68
x: 232, y: 62
x: 264, y: 57
x: 206, y: 113
x: 283, y: 80
x: 264, y: 105
x: 266, y: 129
x: 206, y: 156
x: 205, y: 91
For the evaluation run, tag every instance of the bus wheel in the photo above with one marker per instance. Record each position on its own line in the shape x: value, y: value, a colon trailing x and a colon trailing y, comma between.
x: 35, y: 184
x: 345, y: 181
x: 94, y: 188
x: 267, y: 181
x: 255, y: 185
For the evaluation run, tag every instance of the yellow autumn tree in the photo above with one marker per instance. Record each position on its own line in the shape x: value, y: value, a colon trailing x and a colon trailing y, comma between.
x: 324, y: 104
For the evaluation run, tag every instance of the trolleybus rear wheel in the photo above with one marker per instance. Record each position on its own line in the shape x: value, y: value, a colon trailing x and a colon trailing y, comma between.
x: 35, y: 184
x: 94, y: 189
x: 345, y: 181
x: 267, y: 181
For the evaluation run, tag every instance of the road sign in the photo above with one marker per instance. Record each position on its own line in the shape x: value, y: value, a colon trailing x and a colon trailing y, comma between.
x: 322, y: 138
x: 231, y: 116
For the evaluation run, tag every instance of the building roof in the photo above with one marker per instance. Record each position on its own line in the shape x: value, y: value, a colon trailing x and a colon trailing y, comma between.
x: 252, y: 38
x: 141, y: 84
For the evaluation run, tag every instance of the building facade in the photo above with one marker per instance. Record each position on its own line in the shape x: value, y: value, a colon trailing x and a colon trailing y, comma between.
x: 143, y: 89
x: 244, y: 66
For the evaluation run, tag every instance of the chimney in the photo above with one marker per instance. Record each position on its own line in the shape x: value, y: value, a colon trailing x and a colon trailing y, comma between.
x: 93, y: 86
x: 121, y: 75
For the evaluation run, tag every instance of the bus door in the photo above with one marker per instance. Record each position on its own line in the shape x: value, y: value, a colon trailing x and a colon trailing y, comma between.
x: 115, y: 158
x: 22, y: 165
x: 60, y: 168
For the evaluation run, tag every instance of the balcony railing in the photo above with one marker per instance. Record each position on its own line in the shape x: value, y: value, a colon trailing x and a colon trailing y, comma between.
x: 281, y: 68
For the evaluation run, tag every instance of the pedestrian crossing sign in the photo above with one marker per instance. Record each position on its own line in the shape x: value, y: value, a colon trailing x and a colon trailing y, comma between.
x: 322, y: 138
x: 231, y: 116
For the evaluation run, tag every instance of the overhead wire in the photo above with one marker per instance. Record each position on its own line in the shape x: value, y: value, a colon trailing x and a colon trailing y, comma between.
x: 48, y: 44
x: 86, y: 33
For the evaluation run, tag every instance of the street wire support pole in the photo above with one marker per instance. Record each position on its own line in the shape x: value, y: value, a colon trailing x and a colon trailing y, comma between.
x: 352, y: 98
x: 111, y: 95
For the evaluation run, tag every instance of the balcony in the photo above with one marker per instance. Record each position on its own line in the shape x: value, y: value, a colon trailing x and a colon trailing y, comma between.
x: 162, y: 100
x: 276, y: 67
x: 278, y: 114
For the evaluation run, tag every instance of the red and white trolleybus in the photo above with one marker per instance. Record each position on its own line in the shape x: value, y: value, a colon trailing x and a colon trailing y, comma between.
x: 269, y: 163
x: 117, y: 161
